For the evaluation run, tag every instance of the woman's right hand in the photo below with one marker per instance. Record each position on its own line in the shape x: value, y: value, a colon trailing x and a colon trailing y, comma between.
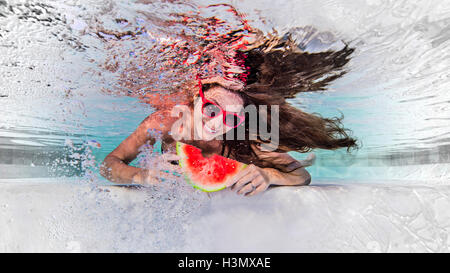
x: 164, y: 170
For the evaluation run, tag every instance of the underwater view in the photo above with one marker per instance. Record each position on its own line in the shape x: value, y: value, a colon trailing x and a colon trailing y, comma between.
x: 78, y: 77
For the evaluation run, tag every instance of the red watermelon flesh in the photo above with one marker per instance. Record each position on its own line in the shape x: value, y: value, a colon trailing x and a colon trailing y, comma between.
x: 206, y: 173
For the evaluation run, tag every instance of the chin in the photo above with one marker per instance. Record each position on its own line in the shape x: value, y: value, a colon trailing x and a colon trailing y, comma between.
x: 206, y: 136
x: 209, y: 136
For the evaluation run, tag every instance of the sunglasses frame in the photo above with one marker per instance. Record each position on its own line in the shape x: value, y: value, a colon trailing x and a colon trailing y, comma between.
x: 223, y: 112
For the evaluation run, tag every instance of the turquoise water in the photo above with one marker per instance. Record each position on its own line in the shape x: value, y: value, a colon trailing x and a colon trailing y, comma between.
x: 394, y: 96
x: 63, y: 93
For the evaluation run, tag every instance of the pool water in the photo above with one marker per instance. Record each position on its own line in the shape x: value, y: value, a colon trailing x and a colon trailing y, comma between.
x: 64, y: 108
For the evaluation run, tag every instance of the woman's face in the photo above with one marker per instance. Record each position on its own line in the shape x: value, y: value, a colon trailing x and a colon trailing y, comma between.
x: 209, y: 128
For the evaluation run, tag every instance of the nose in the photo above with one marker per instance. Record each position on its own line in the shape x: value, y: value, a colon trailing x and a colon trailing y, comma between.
x: 215, y: 123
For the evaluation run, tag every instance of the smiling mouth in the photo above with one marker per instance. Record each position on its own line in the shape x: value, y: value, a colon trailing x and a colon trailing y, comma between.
x: 208, y: 129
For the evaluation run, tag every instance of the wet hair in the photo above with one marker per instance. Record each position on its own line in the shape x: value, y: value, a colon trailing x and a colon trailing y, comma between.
x: 278, y: 71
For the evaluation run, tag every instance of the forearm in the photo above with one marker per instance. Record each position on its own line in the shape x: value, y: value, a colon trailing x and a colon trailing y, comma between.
x: 299, y: 177
x: 115, y: 170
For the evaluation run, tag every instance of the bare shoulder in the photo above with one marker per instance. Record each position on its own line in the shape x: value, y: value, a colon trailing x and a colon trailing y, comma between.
x: 160, y: 121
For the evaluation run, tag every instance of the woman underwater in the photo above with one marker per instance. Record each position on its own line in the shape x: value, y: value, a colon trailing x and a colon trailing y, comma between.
x: 264, y: 72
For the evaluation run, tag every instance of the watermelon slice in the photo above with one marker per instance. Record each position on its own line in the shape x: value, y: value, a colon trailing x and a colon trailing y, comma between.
x: 207, y: 174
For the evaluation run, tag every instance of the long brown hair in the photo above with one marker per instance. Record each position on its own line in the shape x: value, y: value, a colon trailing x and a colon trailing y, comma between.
x: 276, y: 70
x: 279, y: 70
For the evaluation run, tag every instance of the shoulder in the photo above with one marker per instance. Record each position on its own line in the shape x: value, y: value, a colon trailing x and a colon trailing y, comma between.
x: 159, y: 120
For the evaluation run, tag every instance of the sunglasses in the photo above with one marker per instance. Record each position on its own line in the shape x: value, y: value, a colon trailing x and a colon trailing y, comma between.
x: 212, y: 110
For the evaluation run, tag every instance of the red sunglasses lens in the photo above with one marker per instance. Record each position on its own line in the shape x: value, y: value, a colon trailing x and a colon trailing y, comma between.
x: 233, y: 120
x: 211, y: 110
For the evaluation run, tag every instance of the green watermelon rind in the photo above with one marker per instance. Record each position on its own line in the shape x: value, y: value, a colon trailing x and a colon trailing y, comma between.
x: 187, y: 178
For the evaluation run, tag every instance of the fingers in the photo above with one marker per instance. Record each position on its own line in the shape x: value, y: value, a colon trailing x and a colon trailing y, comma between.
x: 259, y: 189
x: 153, y: 177
x: 252, y: 185
x: 238, y: 176
x: 159, y: 170
x: 249, y: 177
x: 249, y: 181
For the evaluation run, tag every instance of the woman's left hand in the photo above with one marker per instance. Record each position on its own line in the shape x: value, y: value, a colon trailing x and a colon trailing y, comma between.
x: 250, y: 181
